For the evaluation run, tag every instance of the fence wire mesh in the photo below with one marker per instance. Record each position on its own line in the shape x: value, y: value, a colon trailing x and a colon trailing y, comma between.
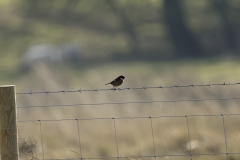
x: 190, y: 154
x: 151, y: 130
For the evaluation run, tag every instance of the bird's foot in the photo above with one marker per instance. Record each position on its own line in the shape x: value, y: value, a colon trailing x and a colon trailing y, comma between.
x: 114, y: 89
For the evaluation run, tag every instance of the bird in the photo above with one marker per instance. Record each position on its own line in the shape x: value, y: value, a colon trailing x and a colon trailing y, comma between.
x: 117, y: 82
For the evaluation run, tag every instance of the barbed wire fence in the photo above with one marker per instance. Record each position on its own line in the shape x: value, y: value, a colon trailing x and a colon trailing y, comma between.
x: 154, y: 154
x: 131, y: 88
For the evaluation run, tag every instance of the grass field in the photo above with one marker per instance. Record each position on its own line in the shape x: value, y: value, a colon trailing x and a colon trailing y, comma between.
x: 134, y: 135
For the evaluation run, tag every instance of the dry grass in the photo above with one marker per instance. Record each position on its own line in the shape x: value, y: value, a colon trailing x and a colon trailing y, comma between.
x: 134, y: 135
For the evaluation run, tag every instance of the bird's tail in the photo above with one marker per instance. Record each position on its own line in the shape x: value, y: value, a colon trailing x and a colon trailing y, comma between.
x: 108, y: 83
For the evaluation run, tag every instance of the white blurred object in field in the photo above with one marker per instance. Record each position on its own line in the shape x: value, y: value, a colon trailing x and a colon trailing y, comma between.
x: 51, y: 55
x: 191, y: 145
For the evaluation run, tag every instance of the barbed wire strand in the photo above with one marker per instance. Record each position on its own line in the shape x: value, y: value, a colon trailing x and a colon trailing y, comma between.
x: 225, y: 137
x: 128, y: 88
x: 137, y: 102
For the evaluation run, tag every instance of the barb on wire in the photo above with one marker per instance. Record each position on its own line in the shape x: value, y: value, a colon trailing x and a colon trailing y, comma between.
x: 130, y: 88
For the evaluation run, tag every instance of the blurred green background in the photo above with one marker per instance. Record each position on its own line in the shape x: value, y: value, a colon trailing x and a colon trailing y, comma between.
x: 123, y: 30
x: 73, y: 44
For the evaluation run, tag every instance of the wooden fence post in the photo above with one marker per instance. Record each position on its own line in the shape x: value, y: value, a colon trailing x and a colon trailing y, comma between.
x: 8, y: 123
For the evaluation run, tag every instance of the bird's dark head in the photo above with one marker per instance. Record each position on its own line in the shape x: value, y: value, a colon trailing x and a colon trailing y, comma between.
x: 122, y: 77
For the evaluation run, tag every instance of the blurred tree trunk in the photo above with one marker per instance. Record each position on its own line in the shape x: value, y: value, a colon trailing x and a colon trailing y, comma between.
x: 231, y: 38
x: 182, y: 38
x: 128, y: 28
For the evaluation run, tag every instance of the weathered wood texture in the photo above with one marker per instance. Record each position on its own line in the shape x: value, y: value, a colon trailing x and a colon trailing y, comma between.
x: 8, y: 124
